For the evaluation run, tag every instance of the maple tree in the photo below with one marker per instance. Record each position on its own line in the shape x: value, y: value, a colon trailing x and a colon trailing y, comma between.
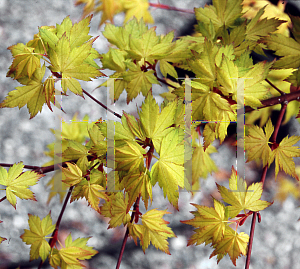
x: 163, y: 143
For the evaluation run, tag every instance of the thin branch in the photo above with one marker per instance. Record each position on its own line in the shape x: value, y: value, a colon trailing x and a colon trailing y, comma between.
x: 134, y: 212
x: 278, y: 124
x: 45, y: 169
x: 288, y: 97
x: 263, y: 178
x: 25, y: 166
x: 53, y: 239
x: 280, y: 91
x: 104, y: 106
x: 2, y: 199
x: 171, y: 8
x: 251, y: 239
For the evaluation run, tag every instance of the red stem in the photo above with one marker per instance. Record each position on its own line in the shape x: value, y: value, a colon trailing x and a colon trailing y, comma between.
x: 135, y: 211
x: 45, y: 169
x: 171, y: 8
x: 53, y: 239
x: 288, y: 97
x: 263, y: 177
x: 104, y: 106
x: 2, y: 199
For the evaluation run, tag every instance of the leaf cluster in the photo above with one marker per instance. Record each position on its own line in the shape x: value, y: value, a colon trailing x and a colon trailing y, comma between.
x: 115, y: 165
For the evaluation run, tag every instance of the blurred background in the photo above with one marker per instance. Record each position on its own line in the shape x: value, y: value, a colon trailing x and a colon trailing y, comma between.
x: 277, y: 239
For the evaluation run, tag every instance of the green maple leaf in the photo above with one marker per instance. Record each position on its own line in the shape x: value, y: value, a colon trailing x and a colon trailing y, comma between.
x: 36, y: 236
x: 31, y: 94
x: 91, y: 188
x: 212, y: 227
x: 75, y: 151
x: 240, y: 197
x: 17, y: 183
x: 284, y: 154
x: 73, y: 174
x: 257, y: 29
x: 156, y: 125
x: 286, y: 47
x: 226, y: 75
x: 202, y: 164
x: 168, y: 171
x: 116, y: 208
x: 138, y: 80
x: 130, y: 157
x: 25, y: 61
x: 221, y: 13
x: 254, y: 89
x: 137, y: 184
x: 203, y: 64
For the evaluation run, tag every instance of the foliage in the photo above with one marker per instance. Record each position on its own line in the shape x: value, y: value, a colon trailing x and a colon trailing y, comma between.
x: 161, y: 145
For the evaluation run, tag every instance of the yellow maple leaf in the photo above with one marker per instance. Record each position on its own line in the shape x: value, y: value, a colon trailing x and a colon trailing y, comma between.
x: 240, y: 197
x: 154, y: 230
x: 36, y: 236
x: 257, y: 143
x: 284, y: 154
x: 234, y: 244
x: 250, y: 8
x: 138, y: 9
x: 109, y: 9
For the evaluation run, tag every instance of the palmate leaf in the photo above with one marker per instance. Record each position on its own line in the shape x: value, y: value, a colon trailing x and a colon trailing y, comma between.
x: 210, y: 223
x: 234, y: 244
x: 153, y: 230
x: 223, y: 12
x: 284, y: 154
x: 153, y: 124
x: 73, y: 174
x: 212, y: 228
x: 31, y: 94
x: 25, y: 61
x: 240, y: 197
x: 286, y: 47
x: 116, y: 208
x: 138, y: 9
x: 257, y: 29
x: 36, y: 236
x: 202, y: 164
x: 138, y: 184
x: 17, y: 183
x: 138, y: 81
x: 92, y: 188
x: 69, y: 257
x: 257, y: 143
x: 168, y: 171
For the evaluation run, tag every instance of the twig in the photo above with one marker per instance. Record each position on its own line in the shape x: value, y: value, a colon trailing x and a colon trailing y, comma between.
x: 171, y: 8
x: 135, y: 211
x: 278, y: 123
x: 53, y: 239
x: 45, y: 169
x: 104, y: 106
x: 280, y: 91
x: 263, y: 177
x: 277, y: 100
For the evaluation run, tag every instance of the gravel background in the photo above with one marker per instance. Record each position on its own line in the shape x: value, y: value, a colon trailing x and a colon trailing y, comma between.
x: 276, y: 242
